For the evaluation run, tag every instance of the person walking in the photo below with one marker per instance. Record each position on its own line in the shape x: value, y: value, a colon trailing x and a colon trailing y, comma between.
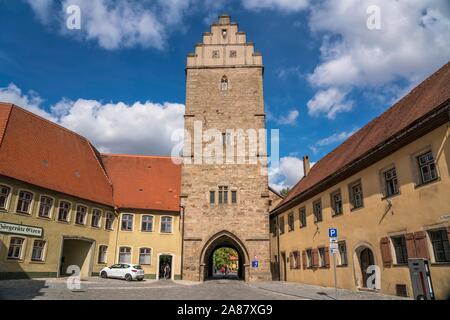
x: 167, y: 271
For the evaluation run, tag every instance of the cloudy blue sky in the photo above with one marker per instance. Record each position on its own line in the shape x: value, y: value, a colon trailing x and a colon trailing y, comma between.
x: 120, y: 79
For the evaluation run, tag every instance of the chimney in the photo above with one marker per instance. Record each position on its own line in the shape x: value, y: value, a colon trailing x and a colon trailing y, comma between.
x: 306, y: 165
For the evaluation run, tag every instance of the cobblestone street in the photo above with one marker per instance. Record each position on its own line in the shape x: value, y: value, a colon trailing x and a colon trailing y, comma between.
x: 96, y: 288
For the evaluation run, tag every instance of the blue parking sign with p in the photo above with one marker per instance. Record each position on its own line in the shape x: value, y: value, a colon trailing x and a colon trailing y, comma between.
x: 332, y: 232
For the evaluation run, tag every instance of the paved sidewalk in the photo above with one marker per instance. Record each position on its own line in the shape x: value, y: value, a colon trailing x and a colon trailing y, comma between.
x: 113, y: 289
x: 306, y: 291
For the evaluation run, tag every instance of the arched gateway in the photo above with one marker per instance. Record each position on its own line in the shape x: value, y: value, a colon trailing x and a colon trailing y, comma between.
x: 223, y: 239
x: 224, y: 193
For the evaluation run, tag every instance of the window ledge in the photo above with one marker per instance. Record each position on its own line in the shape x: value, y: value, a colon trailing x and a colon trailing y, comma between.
x: 342, y: 265
x: 23, y: 214
x: 37, y: 261
x: 390, y: 196
x: 400, y: 265
x: 356, y: 209
x: 44, y: 218
x: 422, y: 184
x: 337, y: 215
x: 440, y: 264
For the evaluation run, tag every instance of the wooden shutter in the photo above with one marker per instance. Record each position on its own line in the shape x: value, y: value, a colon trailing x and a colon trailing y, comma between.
x: 315, y: 257
x: 304, y: 260
x: 386, y: 251
x: 410, y: 245
x: 420, y: 239
x: 327, y: 257
x: 291, y: 261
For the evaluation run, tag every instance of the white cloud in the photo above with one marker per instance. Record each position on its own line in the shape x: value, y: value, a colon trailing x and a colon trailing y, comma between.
x: 413, y: 41
x: 330, y: 102
x: 288, y: 173
x: 42, y: 9
x: 116, y: 24
x: 31, y: 100
x: 282, y: 5
x: 335, y: 138
x: 289, y: 119
x: 139, y: 128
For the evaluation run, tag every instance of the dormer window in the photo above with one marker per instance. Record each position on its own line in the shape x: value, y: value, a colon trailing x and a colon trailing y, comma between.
x: 224, y: 83
x: 224, y: 33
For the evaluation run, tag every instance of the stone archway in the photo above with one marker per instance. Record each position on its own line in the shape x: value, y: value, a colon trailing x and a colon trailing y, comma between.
x: 220, y: 240
x: 363, y: 257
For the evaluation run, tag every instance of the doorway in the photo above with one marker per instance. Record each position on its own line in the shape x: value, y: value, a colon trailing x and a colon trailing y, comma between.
x: 234, y: 258
x: 165, y: 269
x: 76, y: 254
x: 283, y: 270
x: 366, y: 259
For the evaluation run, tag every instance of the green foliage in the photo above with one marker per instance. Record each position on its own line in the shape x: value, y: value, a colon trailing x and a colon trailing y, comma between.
x: 285, y: 191
x: 221, y: 256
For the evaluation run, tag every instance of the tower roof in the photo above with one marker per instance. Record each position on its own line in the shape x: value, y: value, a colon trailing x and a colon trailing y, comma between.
x: 224, y: 46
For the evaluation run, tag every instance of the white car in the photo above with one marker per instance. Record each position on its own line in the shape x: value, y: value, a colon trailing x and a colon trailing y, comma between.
x: 125, y: 271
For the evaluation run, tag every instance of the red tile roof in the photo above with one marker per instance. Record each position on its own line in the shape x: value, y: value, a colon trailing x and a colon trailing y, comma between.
x: 47, y: 155
x: 144, y: 182
x: 427, y: 96
x: 4, y: 116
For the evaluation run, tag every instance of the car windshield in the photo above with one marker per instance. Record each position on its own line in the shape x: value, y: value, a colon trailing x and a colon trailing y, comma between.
x: 136, y: 266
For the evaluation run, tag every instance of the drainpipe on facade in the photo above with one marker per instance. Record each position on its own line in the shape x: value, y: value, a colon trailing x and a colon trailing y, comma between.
x: 277, y: 231
x: 182, y: 239
x: 116, y: 258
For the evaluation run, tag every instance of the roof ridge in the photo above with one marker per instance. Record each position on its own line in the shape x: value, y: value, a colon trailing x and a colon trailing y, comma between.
x: 2, y: 134
x: 136, y: 156
x: 14, y: 106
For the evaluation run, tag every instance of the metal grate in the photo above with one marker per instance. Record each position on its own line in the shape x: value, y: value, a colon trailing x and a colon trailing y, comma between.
x: 400, y: 290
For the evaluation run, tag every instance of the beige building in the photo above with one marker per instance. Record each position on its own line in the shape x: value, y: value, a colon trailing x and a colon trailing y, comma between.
x: 64, y: 204
x: 386, y: 190
x: 226, y: 203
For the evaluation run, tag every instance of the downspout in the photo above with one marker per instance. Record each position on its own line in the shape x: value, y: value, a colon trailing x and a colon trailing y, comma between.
x: 278, y: 248
x: 117, y: 235
x: 182, y: 238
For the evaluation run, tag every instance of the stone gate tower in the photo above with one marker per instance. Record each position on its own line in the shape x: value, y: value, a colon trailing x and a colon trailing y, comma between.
x: 225, y: 204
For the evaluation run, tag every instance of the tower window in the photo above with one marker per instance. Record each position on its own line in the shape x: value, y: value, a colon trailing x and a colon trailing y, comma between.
x: 223, y: 194
x: 224, y: 83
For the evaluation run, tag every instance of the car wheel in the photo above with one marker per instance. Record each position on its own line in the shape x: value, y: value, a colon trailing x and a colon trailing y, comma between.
x: 104, y: 275
x: 128, y: 277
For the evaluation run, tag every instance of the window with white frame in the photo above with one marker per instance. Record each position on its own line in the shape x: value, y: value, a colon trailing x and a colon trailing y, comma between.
x: 309, y: 263
x: 356, y: 195
x: 390, y: 182
x: 124, y: 255
x: 342, y: 253
x: 45, y: 207
x: 24, y: 202
x: 302, y: 217
x: 109, y: 221
x: 223, y: 194
x: 80, y: 217
x: 440, y: 243
x: 317, y: 209
x: 212, y: 197
x: 166, y: 224
x: 291, y: 221
x: 15, y: 248
x: 401, y: 253
x: 63, y: 211
x: 127, y: 222
x: 96, y: 218
x: 323, y: 262
x: 102, y: 254
x: 233, y: 196
x: 147, y: 223
x: 38, y: 250
x: 281, y: 225
x: 427, y: 167
x: 145, y: 256
x: 4, y: 195
x: 336, y: 203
